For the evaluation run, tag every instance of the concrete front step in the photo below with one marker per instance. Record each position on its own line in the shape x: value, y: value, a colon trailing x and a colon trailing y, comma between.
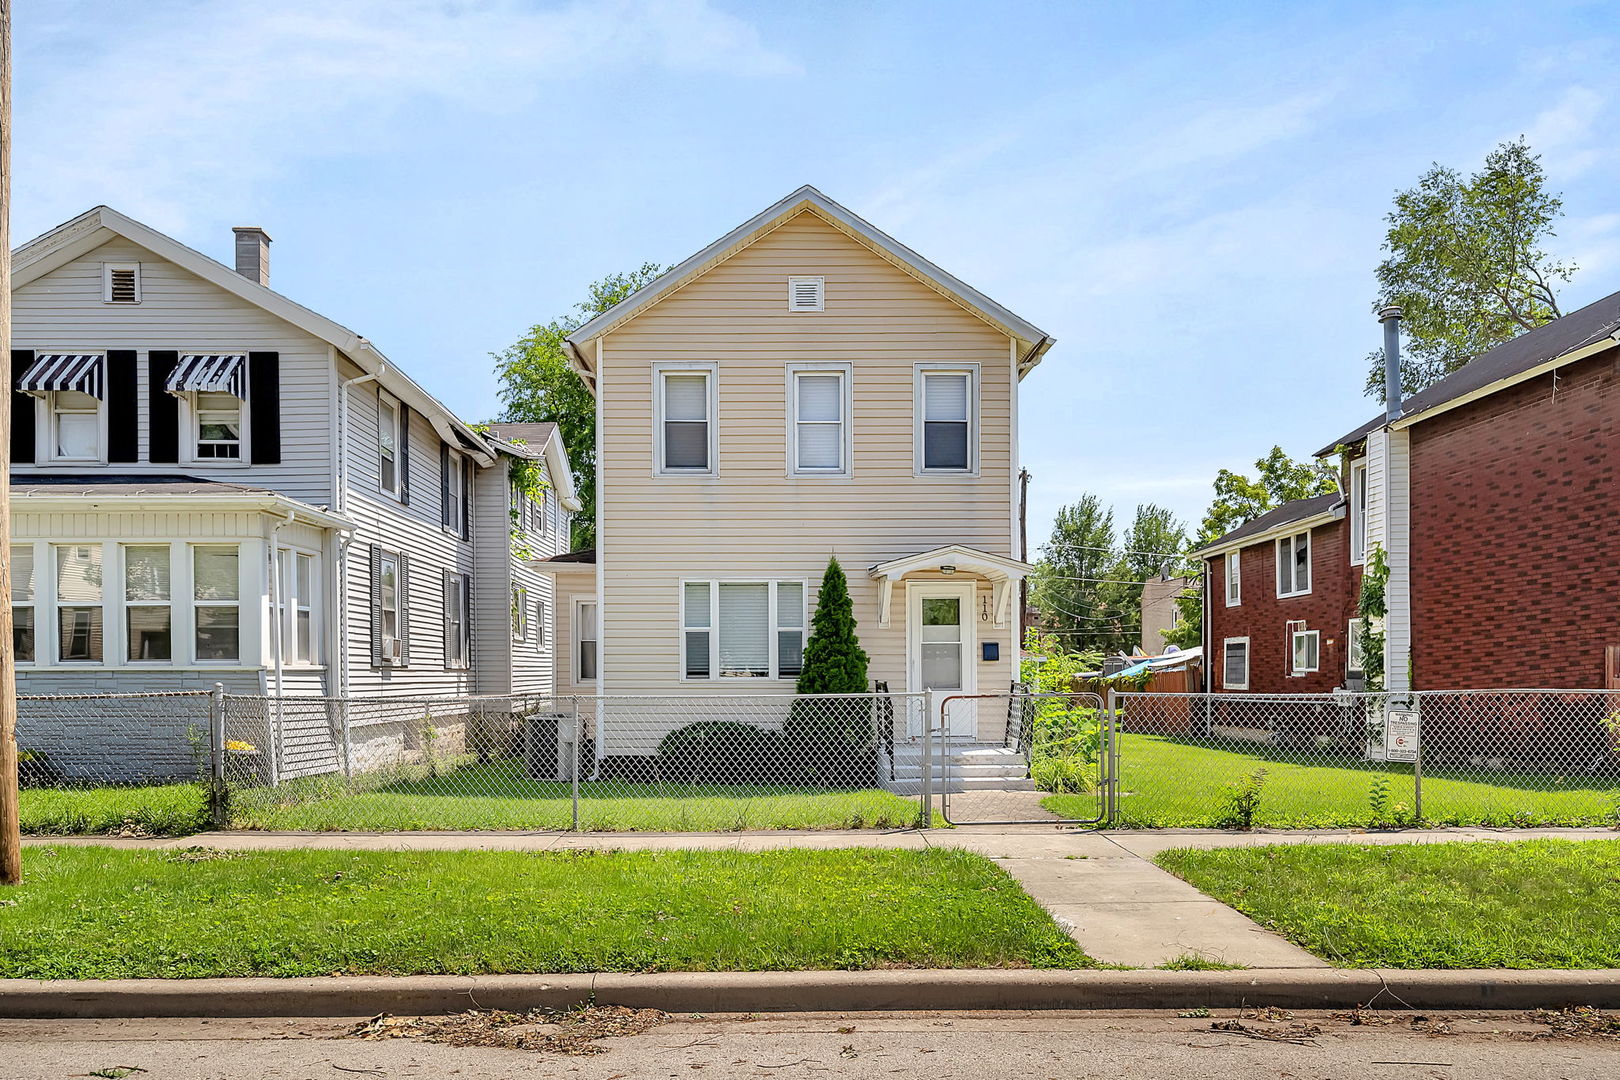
x: 913, y: 785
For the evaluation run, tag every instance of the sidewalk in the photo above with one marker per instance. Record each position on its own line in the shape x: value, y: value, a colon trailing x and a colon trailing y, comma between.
x: 1101, y: 886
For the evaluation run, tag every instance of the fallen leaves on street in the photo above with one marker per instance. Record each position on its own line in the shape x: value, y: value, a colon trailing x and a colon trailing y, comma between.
x: 573, y: 1033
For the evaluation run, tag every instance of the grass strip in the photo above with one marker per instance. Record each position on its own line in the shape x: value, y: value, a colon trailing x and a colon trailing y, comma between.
x: 1480, y: 904
x: 151, y: 810
x: 103, y: 913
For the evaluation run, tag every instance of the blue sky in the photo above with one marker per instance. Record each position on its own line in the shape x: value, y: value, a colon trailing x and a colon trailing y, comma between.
x: 1188, y: 196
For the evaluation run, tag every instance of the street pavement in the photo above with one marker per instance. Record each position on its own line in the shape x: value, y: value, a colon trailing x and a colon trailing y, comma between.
x: 936, y: 1046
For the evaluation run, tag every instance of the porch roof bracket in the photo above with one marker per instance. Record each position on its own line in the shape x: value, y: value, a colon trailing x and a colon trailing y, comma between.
x: 1001, y: 597
x: 885, y: 594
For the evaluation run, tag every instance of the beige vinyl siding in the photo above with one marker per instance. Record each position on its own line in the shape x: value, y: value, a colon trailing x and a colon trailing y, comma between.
x: 183, y: 313
x: 571, y: 586
x: 753, y: 520
x: 414, y: 531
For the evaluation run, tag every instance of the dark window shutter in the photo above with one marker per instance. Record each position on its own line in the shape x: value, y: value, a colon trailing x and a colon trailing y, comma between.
x: 404, y: 453
x: 123, y: 407
x: 449, y: 629
x: 444, y: 485
x: 466, y: 497
x: 264, y: 407
x: 23, y: 410
x: 404, y: 611
x: 376, y: 607
x: 162, y: 410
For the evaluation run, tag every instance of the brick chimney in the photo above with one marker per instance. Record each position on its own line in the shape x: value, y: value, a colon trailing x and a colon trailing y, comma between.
x: 253, y: 253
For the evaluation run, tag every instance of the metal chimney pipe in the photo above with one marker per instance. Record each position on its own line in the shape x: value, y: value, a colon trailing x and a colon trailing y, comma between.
x: 1391, y: 318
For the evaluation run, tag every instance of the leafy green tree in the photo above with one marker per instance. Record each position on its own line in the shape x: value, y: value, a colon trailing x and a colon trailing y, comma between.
x: 1153, y: 545
x: 834, y: 662
x: 537, y: 385
x: 1466, y: 264
x: 1073, y: 586
x: 1278, y: 479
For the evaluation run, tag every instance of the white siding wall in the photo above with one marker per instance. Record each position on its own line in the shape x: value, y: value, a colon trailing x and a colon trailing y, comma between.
x: 181, y: 312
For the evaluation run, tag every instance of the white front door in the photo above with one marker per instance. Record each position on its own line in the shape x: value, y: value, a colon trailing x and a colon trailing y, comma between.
x: 941, y: 651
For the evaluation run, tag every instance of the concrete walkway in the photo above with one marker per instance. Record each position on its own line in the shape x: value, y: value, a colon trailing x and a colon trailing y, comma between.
x: 1101, y: 886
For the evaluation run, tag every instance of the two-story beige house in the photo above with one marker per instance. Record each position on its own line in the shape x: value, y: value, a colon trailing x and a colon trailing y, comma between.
x: 805, y: 387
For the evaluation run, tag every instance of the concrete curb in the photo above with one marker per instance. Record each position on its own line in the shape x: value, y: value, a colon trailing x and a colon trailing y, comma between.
x: 811, y: 991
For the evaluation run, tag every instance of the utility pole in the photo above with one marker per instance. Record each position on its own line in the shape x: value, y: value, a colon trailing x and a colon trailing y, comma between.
x: 1023, y: 547
x: 10, y: 818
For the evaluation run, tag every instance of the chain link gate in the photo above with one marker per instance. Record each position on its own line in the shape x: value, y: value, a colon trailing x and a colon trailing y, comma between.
x: 1020, y: 758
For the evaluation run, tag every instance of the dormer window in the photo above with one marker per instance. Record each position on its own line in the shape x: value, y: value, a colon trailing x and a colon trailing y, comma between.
x: 121, y: 283
x: 213, y: 387
x: 807, y: 294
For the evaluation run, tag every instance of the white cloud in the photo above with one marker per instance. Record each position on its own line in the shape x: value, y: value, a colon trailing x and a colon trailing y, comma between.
x: 1565, y: 134
x: 169, y: 102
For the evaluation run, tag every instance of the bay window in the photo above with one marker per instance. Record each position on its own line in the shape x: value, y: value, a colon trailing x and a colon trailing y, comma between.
x: 296, y: 606
x: 79, y: 603
x: 742, y: 629
x: 22, y: 603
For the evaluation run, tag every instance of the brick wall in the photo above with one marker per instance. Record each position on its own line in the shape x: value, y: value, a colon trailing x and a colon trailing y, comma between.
x: 1263, y: 618
x: 1516, y: 535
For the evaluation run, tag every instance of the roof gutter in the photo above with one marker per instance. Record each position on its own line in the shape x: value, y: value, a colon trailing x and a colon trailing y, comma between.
x: 271, y: 504
x: 1036, y: 353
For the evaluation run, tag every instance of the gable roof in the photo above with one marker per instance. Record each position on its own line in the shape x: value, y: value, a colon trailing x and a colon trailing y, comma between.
x: 1296, y: 514
x: 1580, y: 333
x: 539, y: 442
x: 1033, y: 341
x: 96, y: 226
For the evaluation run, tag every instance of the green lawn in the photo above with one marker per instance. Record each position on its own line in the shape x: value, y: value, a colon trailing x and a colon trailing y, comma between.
x: 1515, y: 904
x: 158, y: 810
x: 1168, y: 782
x: 497, y: 795
x: 92, y: 912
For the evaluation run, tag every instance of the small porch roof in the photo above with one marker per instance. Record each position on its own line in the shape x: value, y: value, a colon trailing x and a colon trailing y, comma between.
x: 951, y: 559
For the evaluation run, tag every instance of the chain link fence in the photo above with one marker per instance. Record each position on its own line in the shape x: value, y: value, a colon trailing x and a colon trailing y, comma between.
x: 1499, y: 758
x: 180, y: 762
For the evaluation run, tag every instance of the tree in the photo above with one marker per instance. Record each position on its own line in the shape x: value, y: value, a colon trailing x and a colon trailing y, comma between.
x: 1466, y: 264
x: 1152, y: 546
x: 537, y: 385
x: 834, y: 662
x: 1073, y: 586
x: 1279, y: 479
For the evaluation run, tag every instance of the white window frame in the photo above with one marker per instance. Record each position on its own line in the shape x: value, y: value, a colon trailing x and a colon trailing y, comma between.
x: 46, y: 441
x: 1354, y: 649
x: 197, y: 603
x: 596, y: 613
x: 31, y: 603
x: 191, y: 423
x: 1292, y: 545
x: 520, y: 613
x: 1358, y: 511
x: 1233, y: 563
x: 287, y: 606
x: 384, y: 556
x: 821, y: 294
x: 107, y: 269
x: 127, y: 604
x: 541, y: 611
x: 845, y: 373
x: 711, y: 372
x: 386, y: 401
x: 1294, y: 638
x: 773, y: 627
x: 457, y: 501
x: 919, y: 411
x: 1226, y: 663
x: 108, y: 646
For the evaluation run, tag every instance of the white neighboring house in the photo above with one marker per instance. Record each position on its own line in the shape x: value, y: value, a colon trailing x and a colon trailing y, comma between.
x: 214, y: 484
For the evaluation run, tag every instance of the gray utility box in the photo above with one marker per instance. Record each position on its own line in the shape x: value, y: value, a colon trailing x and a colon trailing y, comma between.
x: 550, y: 749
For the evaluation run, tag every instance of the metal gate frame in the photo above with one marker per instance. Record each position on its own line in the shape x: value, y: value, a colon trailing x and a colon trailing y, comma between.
x: 1106, y: 757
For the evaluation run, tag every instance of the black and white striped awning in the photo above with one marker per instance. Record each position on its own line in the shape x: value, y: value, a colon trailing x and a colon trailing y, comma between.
x: 211, y: 373
x: 84, y: 372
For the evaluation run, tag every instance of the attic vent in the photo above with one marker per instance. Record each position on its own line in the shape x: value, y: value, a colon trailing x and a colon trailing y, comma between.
x: 806, y: 293
x: 121, y: 284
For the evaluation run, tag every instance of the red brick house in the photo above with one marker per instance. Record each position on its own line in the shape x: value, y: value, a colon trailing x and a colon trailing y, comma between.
x: 1494, y: 496
x: 1281, y: 599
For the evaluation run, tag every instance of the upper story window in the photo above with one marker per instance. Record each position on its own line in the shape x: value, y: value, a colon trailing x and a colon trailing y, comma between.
x: 807, y: 294
x: 71, y: 387
x: 212, y: 387
x: 819, y: 435
x: 685, y: 408
x: 121, y: 283
x: 1234, y: 578
x: 1358, y: 511
x: 76, y: 427
x: 391, y: 444
x: 456, y: 494
x: 1294, y: 565
x: 946, y: 409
